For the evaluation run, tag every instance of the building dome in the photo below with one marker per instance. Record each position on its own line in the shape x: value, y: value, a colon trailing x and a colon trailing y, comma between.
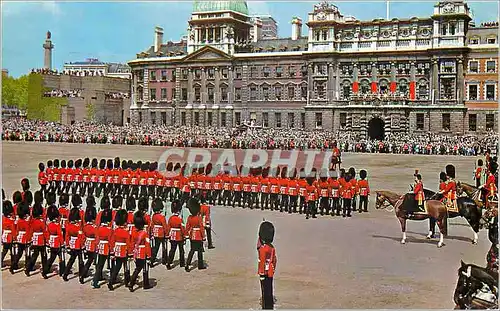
x: 239, y: 6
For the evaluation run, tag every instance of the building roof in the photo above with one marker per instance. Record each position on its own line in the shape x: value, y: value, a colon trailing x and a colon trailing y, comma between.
x: 239, y: 6
x: 280, y: 44
x: 167, y: 49
x: 118, y: 68
x: 88, y: 61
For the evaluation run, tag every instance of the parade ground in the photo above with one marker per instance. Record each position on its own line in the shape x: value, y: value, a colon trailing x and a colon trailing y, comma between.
x: 328, y: 262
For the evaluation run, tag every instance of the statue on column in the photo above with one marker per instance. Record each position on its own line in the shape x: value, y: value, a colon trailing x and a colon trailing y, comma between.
x: 49, y: 35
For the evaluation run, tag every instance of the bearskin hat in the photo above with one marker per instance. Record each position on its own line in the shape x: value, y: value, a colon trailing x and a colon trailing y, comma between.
x: 51, y: 198
x: 493, y: 167
x: 76, y: 200
x: 3, y: 195
x: 52, y: 213
x: 102, y: 164
x: 177, y: 167
x: 7, y: 208
x: 90, y: 201
x: 139, y: 164
x: 117, y: 163
x: 105, y: 203
x: 28, y: 197
x: 64, y: 199
x: 265, y: 172
x: 63, y: 163
x: 480, y: 162
x: 133, y: 166
x: 157, y: 205
x: 86, y: 162
x: 194, y: 206
x: 74, y: 214
x: 442, y: 176
x: 208, y: 169
x: 130, y: 163
x: 121, y: 217
x: 362, y: 174
x: 176, y: 206
x: 493, y: 231
x: 415, y: 174
x: 23, y: 210
x: 49, y: 163
x: 17, y: 197
x: 352, y: 172
x: 450, y: 171
x: 109, y: 164
x: 78, y: 163
x: 139, y: 221
x: 145, y: 166
x: 70, y: 164
x: 56, y: 163
x: 117, y: 201
x: 342, y: 173
x: 124, y: 165
x: 169, y: 166
x: 266, y: 232
x: 37, y: 210
x: 131, y: 204
x: 41, y: 167
x: 25, y: 184
x: 94, y: 163
x: 106, y: 216
x: 418, y: 176
x: 90, y: 214
x: 143, y: 204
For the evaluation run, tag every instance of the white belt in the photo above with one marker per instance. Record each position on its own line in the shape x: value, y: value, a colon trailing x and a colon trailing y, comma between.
x: 91, y: 239
x: 7, y: 231
x: 120, y: 243
x: 175, y: 229
x: 37, y: 233
x: 196, y: 229
x: 103, y: 241
x: 159, y: 226
x: 141, y: 246
x: 64, y: 218
x: 22, y: 231
x: 53, y: 235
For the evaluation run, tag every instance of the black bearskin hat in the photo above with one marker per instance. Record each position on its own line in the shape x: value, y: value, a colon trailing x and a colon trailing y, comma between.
x: 493, y: 167
x: 109, y: 165
x: 493, y: 231
x: 342, y: 173
x: 63, y: 163
x: 78, y: 163
x: 117, y: 163
x: 419, y: 177
x: 153, y: 166
x: 480, y: 162
x: 3, y: 195
x: 157, y: 205
x: 143, y: 204
x: 94, y: 163
x: 131, y: 204
x: 144, y: 167
x: 90, y: 214
x: 121, y: 217
x: 106, y: 216
x: 124, y: 165
x: 52, y: 213
x: 23, y: 210
x: 49, y: 163
x: 169, y: 166
x: 347, y: 177
x: 352, y: 172
x: 7, y: 208
x: 70, y: 163
x: 105, y: 203
x: 76, y: 200
x: 74, y: 214
x: 139, y: 221
x: 450, y: 171
x: 90, y: 201
x: 194, y: 206
x: 37, y: 210
x: 64, y: 199
x: 38, y: 197
x: 25, y: 184
x: 17, y: 197
x: 130, y: 163
x: 28, y: 197
x: 266, y: 232
x: 51, y: 198
x: 362, y: 174
x: 117, y: 201
x: 86, y: 162
x: 442, y: 176
x: 41, y: 167
x: 56, y: 163
x: 175, y: 207
x: 139, y: 164
x: 102, y: 164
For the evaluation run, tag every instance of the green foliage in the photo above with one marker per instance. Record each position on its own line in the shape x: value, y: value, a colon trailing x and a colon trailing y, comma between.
x: 90, y: 111
x: 40, y: 107
x: 15, y: 91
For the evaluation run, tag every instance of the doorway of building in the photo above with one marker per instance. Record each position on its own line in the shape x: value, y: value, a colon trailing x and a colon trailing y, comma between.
x: 376, y: 129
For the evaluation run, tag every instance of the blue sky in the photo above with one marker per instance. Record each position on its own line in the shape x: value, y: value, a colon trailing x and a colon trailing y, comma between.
x: 116, y: 31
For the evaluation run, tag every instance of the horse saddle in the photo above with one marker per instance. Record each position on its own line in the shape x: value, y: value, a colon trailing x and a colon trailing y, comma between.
x: 452, y: 206
x: 410, y: 205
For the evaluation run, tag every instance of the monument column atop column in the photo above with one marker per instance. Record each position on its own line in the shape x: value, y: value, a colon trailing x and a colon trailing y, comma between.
x: 48, y: 46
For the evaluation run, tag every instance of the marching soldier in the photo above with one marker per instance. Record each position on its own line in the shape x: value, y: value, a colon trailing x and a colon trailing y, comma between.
x: 490, y: 185
x: 64, y: 212
x: 255, y: 185
x: 312, y: 196
x: 264, y: 189
x: 283, y: 188
x: 77, y: 177
x: 105, y: 206
x: 121, y: 250
x: 176, y: 233
x: 86, y: 177
x: 142, y: 251
x: 62, y: 175
x: 94, y: 178
x: 478, y: 173
x: 347, y: 194
x: 131, y: 206
x: 334, y: 192
x: 101, y: 177
x: 275, y: 189
x: 74, y: 242
x: 195, y: 232
x: 364, y: 191
x: 267, y: 264
x: 237, y: 190
x: 50, y: 177
x: 302, y: 184
x: 104, y: 243
x: 324, y: 192
x: 124, y: 176
x: 354, y: 187
x: 293, y: 191
x: 23, y: 236
x: 247, y: 190
x: 69, y: 179
x: 207, y: 223
x: 228, y: 186
x: 38, y: 241
x: 42, y: 178
x: 8, y: 232
x: 159, y: 231
x: 55, y: 239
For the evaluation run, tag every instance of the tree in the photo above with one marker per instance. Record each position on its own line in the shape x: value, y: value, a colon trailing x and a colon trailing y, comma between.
x: 40, y: 107
x: 15, y: 91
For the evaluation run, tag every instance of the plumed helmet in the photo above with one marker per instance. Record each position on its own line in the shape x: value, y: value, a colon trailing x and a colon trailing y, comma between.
x: 86, y: 162
x: 17, y: 197
x: 23, y: 210
x: 56, y: 163
x: 63, y: 163
x: 76, y: 200
x: 25, y: 184
x: 64, y: 199
x: 106, y: 216
x: 124, y: 165
x: 74, y: 214
x: 38, y: 197
x: 102, y: 164
x: 94, y: 163
x: 362, y: 174
x: 49, y: 163
x: 117, y: 201
x: 52, y: 213
x: 175, y: 207
x: 70, y: 163
x: 117, y: 162
x: 41, y: 167
x: 28, y: 197
x: 7, y: 208
x: 493, y: 231
x: 139, y: 221
x: 450, y: 171
x: 352, y: 172
x: 143, y: 204
x: 78, y: 163
x: 194, y: 206
x: 90, y: 214
x: 109, y: 165
x: 266, y: 232
x: 90, y: 201
x: 442, y: 176
x: 480, y: 162
x: 105, y: 203
x: 121, y: 217
x: 157, y: 205
x: 131, y: 203
x: 51, y: 198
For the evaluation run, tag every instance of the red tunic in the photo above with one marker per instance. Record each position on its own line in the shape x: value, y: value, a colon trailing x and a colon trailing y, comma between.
x: 8, y: 229
x: 159, y: 226
x: 419, y: 192
x: 293, y: 187
x: 324, y: 189
x: 23, y: 230
x: 38, y: 229
x: 312, y: 193
x: 90, y: 232
x: 105, y: 240
x: 205, y: 215
x: 451, y: 190
x: 53, y: 235
x: 363, y: 188
x: 50, y: 173
x: 267, y: 260
x: 142, y: 246
x: 195, y: 230
x: 302, y: 187
x: 122, y: 242
x: 334, y: 187
x: 42, y: 178
x: 491, y: 185
x: 75, y: 239
x: 283, y: 185
x: 176, y: 231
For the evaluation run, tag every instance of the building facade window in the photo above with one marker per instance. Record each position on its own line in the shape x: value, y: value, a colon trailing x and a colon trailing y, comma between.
x: 184, y: 74
x: 210, y: 118
x: 343, y: 120
x: 302, y: 120
x: 265, y: 92
x: 173, y: 76
x: 223, y: 119
x: 210, y: 94
x: 152, y: 75
x: 163, y: 118
x: 490, y: 121
x: 473, y: 91
x: 279, y: 71
x: 292, y: 71
x: 490, y: 66
x: 291, y: 92
x: 446, y: 121
x: 196, y: 118
x: 223, y: 93
x: 265, y: 119
x: 140, y: 116
x: 291, y: 120
x: 163, y: 75
x: 253, y: 72
x: 420, y: 121
x: 152, y: 94
x: 474, y: 41
x: 183, y: 118
x: 277, y: 117
x: 472, y: 122
x: 197, y: 74
x: 490, y: 92
x: 211, y: 73
x: 184, y: 93
x: 237, y: 118
x: 303, y: 92
x: 237, y: 72
x: 319, y: 120
x: 237, y: 93
x: 491, y: 41
x: 163, y: 93
x: 197, y: 94
x: 473, y: 66
x: 224, y: 73
x: 277, y: 92
x: 153, y: 117
x: 267, y: 72
x: 253, y: 93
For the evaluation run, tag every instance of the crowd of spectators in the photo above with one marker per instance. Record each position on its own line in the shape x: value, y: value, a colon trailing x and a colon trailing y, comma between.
x: 64, y: 93
x: 18, y: 129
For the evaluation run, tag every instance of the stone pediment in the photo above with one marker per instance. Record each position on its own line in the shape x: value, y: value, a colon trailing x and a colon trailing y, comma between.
x: 207, y: 53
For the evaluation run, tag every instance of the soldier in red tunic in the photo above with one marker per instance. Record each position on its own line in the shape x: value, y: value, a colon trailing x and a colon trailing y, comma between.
x: 64, y: 212
x: 152, y: 179
x: 75, y: 241
x: 451, y: 188
x: 49, y: 170
x: 159, y: 231
x: 38, y: 229
x: 77, y: 177
x: 490, y: 186
x: 122, y: 249
x: 85, y: 184
x: 418, y: 190
x: 207, y: 223
x: 264, y: 189
x: 354, y: 187
x: 131, y: 206
x: 69, y: 177
x: 237, y: 190
x: 104, y: 243
x: 8, y: 232
x: 141, y: 251
x: 363, y: 191
x: 324, y: 193
x: 105, y: 205
x: 42, y: 178
x: 195, y: 232
x: 275, y: 190
x: 267, y: 264
x: 312, y: 197
x: 478, y: 173
x: 23, y: 236
x: 55, y: 241
x: 94, y: 177
x: 302, y: 191
x: 90, y: 233
x: 347, y: 194
x: 101, y: 177
x: 293, y: 191
x: 176, y: 233
x: 334, y: 186
x: 62, y: 177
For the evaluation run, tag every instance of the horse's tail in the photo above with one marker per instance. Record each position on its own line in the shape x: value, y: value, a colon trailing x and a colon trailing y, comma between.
x: 445, y: 224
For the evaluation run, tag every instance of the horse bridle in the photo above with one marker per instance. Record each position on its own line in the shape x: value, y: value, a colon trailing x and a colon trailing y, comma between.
x: 384, y: 203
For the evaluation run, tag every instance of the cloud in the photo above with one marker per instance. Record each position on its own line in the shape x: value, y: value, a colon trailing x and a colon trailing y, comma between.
x: 10, y: 8
x: 258, y: 8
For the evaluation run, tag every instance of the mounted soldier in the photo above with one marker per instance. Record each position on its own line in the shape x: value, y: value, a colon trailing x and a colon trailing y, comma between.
x: 450, y: 192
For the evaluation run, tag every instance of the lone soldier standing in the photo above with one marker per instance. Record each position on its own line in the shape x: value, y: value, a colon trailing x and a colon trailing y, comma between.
x: 364, y: 191
x: 267, y: 264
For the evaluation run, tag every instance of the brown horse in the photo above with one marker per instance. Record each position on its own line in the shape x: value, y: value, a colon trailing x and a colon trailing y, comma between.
x: 435, y: 210
x: 489, y: 210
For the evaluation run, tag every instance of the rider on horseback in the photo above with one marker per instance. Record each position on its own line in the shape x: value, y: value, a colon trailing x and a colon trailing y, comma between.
x: 490, y: 184
x: 442, y: 184
x: 418, y: 190
x: 450, y: 193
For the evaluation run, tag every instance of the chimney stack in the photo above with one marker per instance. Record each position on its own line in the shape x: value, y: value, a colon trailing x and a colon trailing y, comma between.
x: 158, y: 38
x: 296, y: 28
x: 257, y: 29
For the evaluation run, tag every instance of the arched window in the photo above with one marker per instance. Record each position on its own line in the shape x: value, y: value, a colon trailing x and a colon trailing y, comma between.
x: 346, y: 89
x: 365, y: 87
x: 403, y: 87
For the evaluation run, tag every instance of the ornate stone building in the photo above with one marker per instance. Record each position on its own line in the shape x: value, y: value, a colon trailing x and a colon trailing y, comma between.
x: 368, y: 77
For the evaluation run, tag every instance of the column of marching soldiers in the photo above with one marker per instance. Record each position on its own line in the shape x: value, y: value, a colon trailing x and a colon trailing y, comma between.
x: 127, y: 227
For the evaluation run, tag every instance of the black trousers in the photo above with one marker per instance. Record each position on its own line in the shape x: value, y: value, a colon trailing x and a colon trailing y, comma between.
x: 55, y: 252
x: 266, y: 286
x: 363, y: 203
x: 73, y: 254
x: 196, y: 246
x: 283, y: 202
x: 208, y: 231
x: 346, y: 207
x: 140, y: 265
x: 34, y: 257
x: 324, y: 204
x: 311, y: 209
x: 246, y: 198
x: 237, y: 198
x: 156, y: 248
x: 91, y: 256
x: 226, y: 197
x: 101, y: 260
x: 173, y: 248
x: 354, y: 201
x: 274, y: 201
x: 336, y: 206
x: 264, y: 201
x: 21, y: 248
x: 117, y: 266
x: 478, y: 182
x: 302, y: 204
x: 6, y: 247
x: 292, y: 204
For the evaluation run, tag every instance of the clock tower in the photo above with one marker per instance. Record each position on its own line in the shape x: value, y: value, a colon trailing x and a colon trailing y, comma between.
x: 321, y: 23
